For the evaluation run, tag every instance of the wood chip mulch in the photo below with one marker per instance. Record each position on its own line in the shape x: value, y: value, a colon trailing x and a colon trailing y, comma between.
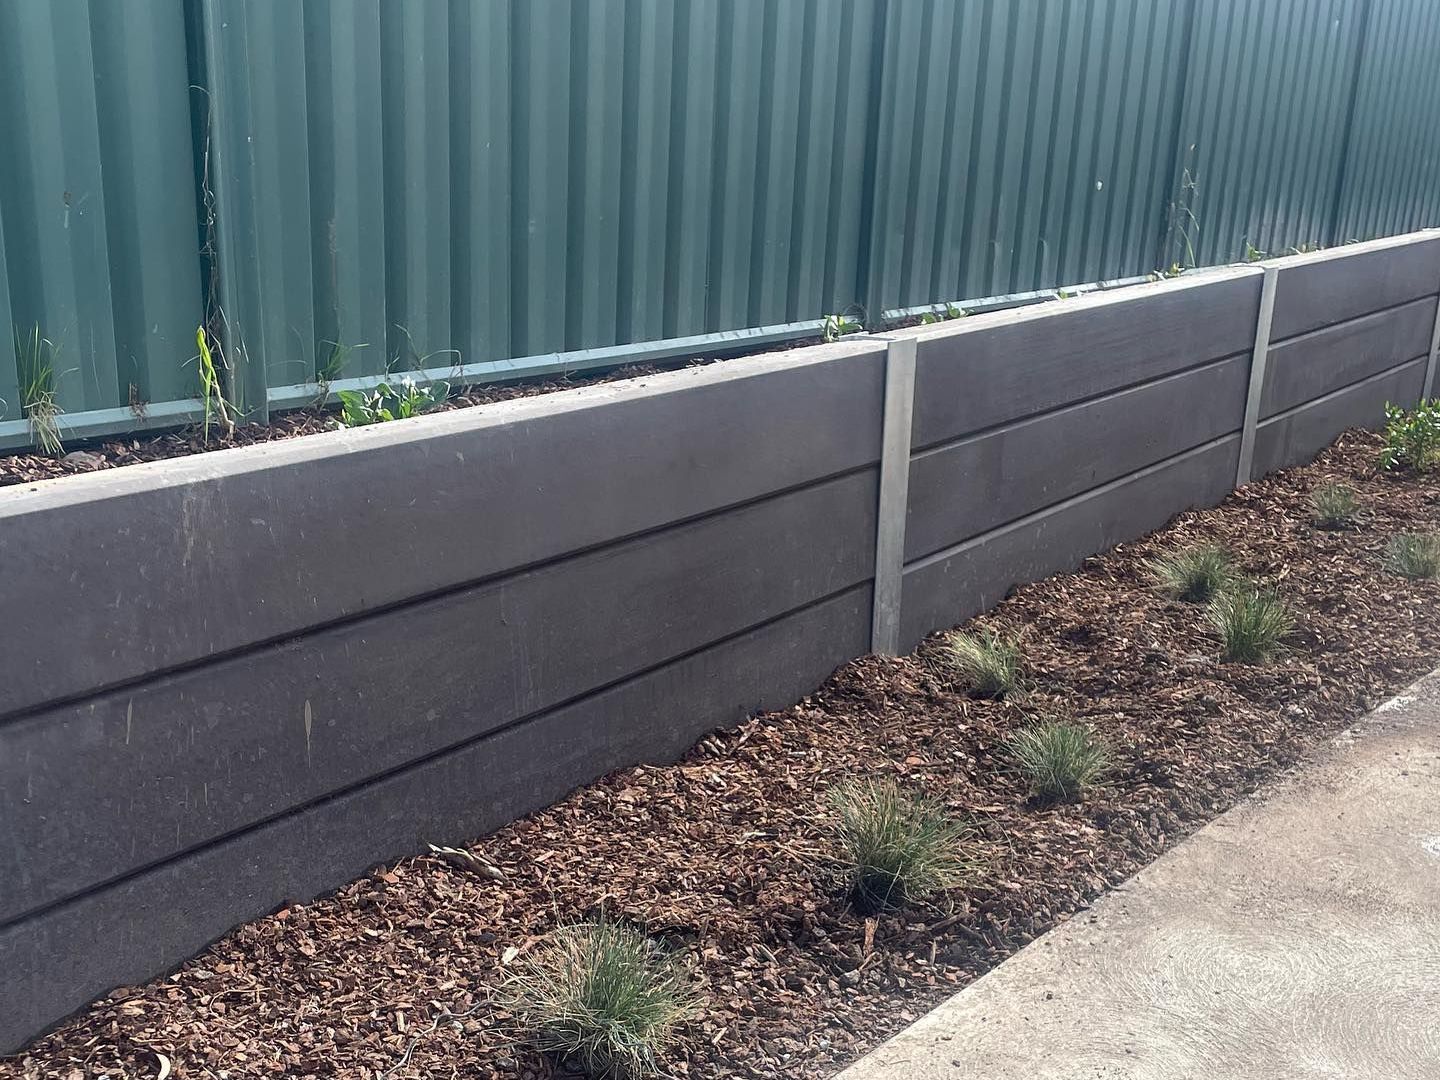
x: 726, y: 855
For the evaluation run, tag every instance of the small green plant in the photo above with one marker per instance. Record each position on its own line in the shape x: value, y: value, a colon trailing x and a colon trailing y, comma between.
x: 1060, y: 760
x: 36, y: 358
x: 1414, y: 555
x: 1335, y: 505
x: 988, y: 664
x: 1196, y: 574
x: 834, y: 327
x: 1174, y: 270
x: 601, y: 997
x: 1063, y: 294
x: 950, y: 312
x: 1184, y: 226
x: 335, y: 358
x: 212, y: 390
x: 1252, y: 253
x: 1412, y: 437
x: 1252, y: 623
x: 397, y: 400
x: 898, y: 848
x: 410, y: 358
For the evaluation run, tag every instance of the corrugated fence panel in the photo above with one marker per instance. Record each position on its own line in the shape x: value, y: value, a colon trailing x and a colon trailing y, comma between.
x: 523, y: 180
x: 97, y: 196
x: 148, y: 174
x: 1391, y: 180
x: 415, y: 153
x: 259, y: 169
x: 53, y: 197
x: 347, y: 195
x: 1021, y: 146
x: 503, y: 185
x: 10, y: 405
x: 1263, y: 132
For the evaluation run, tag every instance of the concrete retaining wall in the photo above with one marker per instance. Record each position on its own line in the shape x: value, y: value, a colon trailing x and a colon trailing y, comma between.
x: 240, y: 679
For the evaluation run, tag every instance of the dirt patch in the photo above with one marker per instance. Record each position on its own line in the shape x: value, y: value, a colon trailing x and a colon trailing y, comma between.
x: 724, y: 855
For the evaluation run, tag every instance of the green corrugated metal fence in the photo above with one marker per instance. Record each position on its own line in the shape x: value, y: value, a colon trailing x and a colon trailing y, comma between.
x: 511, y: 186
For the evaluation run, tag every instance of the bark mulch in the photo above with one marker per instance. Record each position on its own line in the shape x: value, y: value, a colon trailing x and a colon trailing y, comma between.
x: 725, y: 855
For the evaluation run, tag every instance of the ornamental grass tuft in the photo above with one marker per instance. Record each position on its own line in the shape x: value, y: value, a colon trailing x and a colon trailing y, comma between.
x: 898, y: 847
x: 988, y: 664
x: 1196, y: 574
x: 1060, y: 760
x: 1252, y: 623
x: 601, y: 998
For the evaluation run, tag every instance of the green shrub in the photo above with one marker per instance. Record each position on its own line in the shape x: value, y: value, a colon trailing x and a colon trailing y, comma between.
x: 1334, y: 505
x: 898, y: 847
x: 1196, y: 574
x: 1412, y: 437
x: 988, y: 664
x: 601, y: 998
x: 1252, y: 623
x: 389, y: 401
x: 1060, y: 760
x: 1414, y: 555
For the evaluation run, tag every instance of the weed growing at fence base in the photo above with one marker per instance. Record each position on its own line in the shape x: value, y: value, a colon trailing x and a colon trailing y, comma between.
x: 1412, y: 437
x: 601, y: 997
x: 1335, y: 505
x: 398, y: 400
x: 1252, y: 624
x: 834, y: 327
x: 1414, y: 555
x: 35, y: 362
x: 1060, y: 760
x: 1195, y: 575
x: 950, y: 312
x: 898, y: 848
x: 334, y: 361
x: 990, y: 665
x: 212, y: 390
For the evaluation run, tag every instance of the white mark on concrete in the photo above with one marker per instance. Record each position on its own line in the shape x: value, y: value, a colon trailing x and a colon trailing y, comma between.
x: 1397, y: 702
x: 1431, y: 845
x: 129, y: 719
x: 309, y: 723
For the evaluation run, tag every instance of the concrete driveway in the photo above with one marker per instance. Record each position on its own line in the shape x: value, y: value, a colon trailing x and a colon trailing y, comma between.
x: 1297, y: 936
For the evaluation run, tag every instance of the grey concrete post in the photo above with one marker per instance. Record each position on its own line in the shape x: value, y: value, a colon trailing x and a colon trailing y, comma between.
x: 894, y: 495
x: 1258, y: 357
x: 1427, y: 391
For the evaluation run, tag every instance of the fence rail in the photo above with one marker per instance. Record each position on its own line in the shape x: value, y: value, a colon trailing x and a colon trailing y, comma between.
x: 505, y: 187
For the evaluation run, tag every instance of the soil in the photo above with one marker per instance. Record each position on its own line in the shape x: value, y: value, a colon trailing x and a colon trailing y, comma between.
x: 726, y: 856
x: 93, y: 455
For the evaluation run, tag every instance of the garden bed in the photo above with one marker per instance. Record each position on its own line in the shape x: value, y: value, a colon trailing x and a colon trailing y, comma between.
x: 91, y: 455
x: 726, y: 855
